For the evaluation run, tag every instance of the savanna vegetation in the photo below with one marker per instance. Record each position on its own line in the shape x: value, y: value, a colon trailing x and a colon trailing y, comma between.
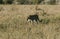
x: 30, y: 2
x: 13, y: 23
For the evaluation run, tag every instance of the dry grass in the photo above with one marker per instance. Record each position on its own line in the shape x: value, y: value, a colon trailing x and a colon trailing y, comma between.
x: 13, y: 23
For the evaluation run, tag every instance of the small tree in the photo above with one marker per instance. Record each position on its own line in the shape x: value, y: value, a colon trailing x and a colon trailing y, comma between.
x: 35, y: 1
x: 21, y: 1
x: 52, y: 2
x: 1, y: 1
x: 40, y: 1
x: 8, y: 1
x: 5, y: 1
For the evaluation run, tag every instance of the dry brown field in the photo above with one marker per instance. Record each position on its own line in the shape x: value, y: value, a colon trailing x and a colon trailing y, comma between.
x: 13, y: 23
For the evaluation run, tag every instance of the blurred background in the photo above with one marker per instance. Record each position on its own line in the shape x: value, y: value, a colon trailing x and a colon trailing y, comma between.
x: 31, y: 2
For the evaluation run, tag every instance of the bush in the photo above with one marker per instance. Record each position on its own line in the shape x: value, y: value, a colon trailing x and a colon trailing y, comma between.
x: 45, y: 21
x: 3, y: 27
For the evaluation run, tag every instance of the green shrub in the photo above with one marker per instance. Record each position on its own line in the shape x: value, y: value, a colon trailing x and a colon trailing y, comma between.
x: 3, y: 27
x: 45, y: 21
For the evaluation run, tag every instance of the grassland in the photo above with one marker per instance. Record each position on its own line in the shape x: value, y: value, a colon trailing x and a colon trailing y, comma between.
x: 13, y: 24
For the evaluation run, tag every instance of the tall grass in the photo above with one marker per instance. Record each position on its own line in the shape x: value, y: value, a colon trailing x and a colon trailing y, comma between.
x: 13, y: 25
